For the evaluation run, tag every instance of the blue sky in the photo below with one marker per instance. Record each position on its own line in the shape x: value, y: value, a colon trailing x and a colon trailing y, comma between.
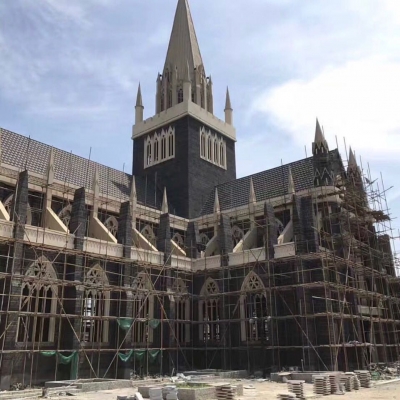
x: 69, y: 72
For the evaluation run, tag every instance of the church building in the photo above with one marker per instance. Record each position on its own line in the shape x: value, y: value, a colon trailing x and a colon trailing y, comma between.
x: 182, y: 266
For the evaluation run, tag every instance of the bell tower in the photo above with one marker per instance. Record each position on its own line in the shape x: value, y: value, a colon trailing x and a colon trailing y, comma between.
x: 184, y: 146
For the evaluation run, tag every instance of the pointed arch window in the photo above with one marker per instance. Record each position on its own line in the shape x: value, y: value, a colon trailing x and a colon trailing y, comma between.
x: 209, y: 330
x: 171, y: 143
x: 202, y: 143
x: 159, y: 147
x: 38, y: 303
x: 142, y: 309
x: 180, y: 95
x: 148, y: 152
x: 156, y: 149
x: 254, y: 315
x: 216, y: 152
x: 96, y: 306
x: 182, y: 311
x: 163, y: 146
x: 212, y: 148
x: 148, y: 233
x: 209, y: 148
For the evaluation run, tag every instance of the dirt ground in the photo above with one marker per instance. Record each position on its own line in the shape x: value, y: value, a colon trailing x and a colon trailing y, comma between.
x: 268, y: 390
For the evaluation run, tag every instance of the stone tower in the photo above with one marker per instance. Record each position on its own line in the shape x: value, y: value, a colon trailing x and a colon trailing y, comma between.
x: 184, y: 146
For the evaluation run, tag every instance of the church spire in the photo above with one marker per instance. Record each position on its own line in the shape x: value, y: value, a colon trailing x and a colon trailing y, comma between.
x: 228, y: 109
x: 320, y: 144
x: 139, y: 106
x: 183, y: 46
x: 183, y: 65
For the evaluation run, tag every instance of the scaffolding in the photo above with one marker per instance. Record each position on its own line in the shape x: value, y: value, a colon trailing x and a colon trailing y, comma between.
x: 332, y: 304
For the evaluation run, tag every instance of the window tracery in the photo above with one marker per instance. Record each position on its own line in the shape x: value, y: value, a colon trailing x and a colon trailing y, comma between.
x: 159, y: 147
x: 178, y: 239
x: 253, y: 310
x: 38, y: 303
x: 148, y: 233
x: 209, y: 311
x: 96, y: 304
x: 182, y: 311
x: 212, y: 148
x: 65, y: 215
x: 8, y: 205
x: 142, y: 309
x: 111, y: 223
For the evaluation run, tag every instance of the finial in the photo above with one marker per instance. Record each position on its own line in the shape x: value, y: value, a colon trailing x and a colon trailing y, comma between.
x: 291, y: 187
x: 164, y: 207
x: 133, y: 195
x: 96, y: 185
x: 50, y: 167
x: 228, y: 105
x: 139, y: 100
x: 252, y: 193
x: 217, y: 208
x: 352, y: 160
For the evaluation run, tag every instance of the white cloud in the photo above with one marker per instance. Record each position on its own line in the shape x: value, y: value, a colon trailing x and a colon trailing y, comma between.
x: 358, y: 100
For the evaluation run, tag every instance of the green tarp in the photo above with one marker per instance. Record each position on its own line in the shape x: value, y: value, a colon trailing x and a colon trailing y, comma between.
x: 139, y: 355
x: 72, y: 359
x: 153, y: 323
x: 125, y: 323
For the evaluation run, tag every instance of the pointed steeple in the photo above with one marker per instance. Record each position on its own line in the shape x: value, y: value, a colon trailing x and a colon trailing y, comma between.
x: 352, y: 161
x: 50, y: 167
x: 139, y: 106
x: 291, y: 187
x: 228, y: 109
x: 164, y: 207
x: 96, y: 191
x: 139, y: 101
x: 252, y: 194
x: 217, y: 208
x: 133, y: 195
x: 228, y: 105
x: 183, y: 45
x: 320, y: 142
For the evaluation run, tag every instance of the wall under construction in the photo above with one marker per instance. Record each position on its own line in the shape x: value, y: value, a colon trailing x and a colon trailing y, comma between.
x: 306, y: 279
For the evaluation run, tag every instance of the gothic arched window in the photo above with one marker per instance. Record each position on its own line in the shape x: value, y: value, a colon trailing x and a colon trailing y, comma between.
x: 182, y: 311
x: 209, y: 148
x: 156, y: 149
x: 180, y: 95
x: 148, y: 152
x: 142, y: 309
x: 38, y: 303
x: 171, y: 143
x: 163, y: 146
x: 111, y: 223
x: 148, y: 233
x: 96, y: 305
x: 253, y: 310
x: 216, y: 152
x: 209, y: 311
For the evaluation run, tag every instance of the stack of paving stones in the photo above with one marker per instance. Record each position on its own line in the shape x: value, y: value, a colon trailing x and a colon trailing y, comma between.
x: 334, y: 382
x: 322, y: 385
x: 170, y: 393
x: 155, y: 394
x: 347, y: 379
x: 296, y: 387
x: 364, y: 378
x: 225, y: 392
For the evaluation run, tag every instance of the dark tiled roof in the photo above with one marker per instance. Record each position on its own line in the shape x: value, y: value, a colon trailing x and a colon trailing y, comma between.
x: 267, y: 184
x: 22, y: 152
